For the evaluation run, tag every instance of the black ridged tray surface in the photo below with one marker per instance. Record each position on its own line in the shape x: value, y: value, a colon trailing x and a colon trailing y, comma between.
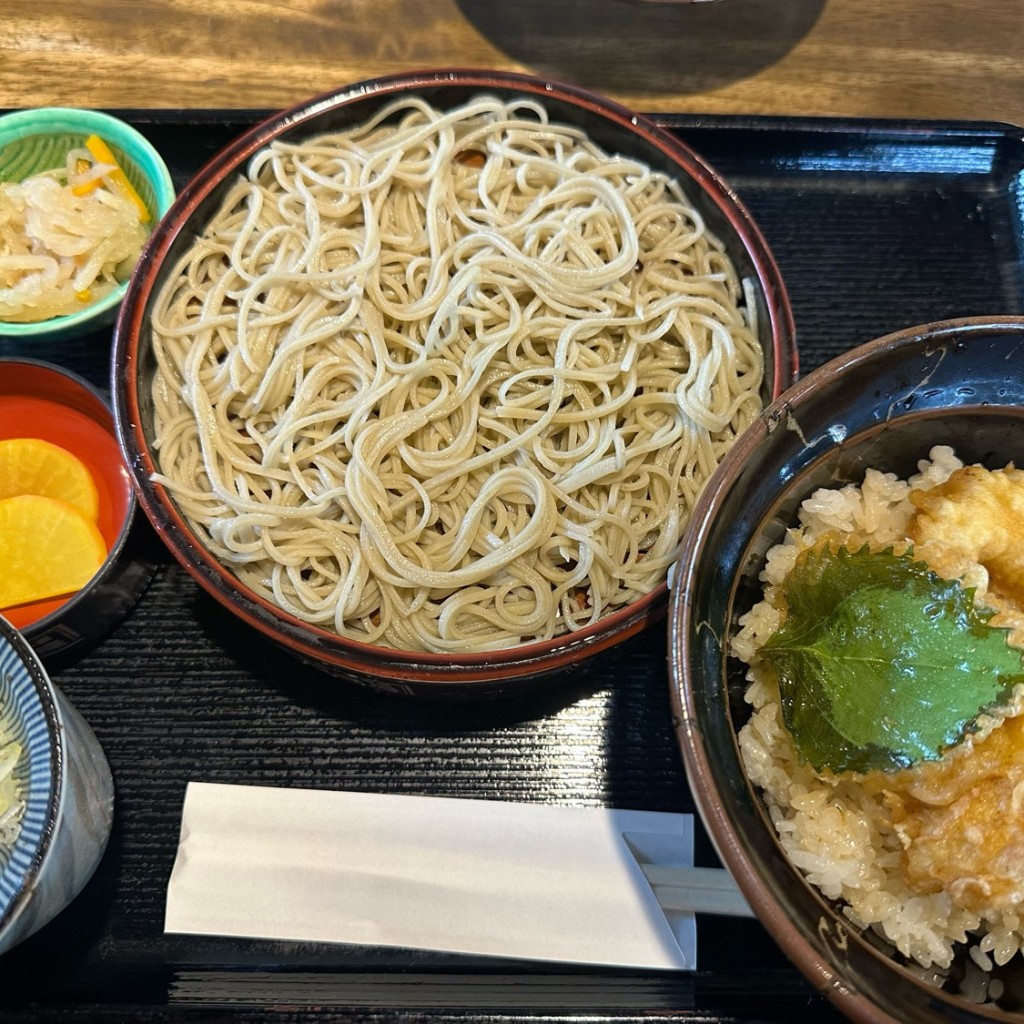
x: 876, y: 226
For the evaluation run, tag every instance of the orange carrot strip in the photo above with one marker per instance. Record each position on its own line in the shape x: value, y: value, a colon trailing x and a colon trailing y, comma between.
x: 101, y: 151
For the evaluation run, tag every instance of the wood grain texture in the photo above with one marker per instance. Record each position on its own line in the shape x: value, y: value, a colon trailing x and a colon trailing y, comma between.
x: 863, y: 58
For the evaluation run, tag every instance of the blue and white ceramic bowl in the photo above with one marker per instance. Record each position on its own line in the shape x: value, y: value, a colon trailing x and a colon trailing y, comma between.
x: 67, y: 789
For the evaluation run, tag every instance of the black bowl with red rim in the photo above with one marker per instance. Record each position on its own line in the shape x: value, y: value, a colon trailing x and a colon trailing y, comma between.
x: 615, y: 129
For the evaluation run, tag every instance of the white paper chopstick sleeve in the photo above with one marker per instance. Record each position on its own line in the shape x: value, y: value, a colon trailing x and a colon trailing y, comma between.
x: 471, y: 876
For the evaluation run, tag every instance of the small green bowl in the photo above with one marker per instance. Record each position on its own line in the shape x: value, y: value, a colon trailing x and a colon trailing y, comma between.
x: 38, y: 140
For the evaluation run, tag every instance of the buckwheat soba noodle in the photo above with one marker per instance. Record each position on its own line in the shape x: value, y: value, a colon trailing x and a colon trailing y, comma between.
x: 449, y: 381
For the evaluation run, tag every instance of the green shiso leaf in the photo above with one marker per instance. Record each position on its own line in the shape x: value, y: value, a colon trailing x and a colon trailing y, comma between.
x: 882, y: 663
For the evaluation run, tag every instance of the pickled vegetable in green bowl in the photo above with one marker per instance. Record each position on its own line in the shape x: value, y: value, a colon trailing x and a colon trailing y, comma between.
x: 80, y: 191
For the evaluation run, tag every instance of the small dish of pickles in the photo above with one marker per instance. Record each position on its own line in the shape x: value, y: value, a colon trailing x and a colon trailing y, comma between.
x: 73, y: 554
x: 80, y: 192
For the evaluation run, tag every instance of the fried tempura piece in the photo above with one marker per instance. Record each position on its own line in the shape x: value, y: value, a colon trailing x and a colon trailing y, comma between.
x: 961, y: 820
x: 976, y: 516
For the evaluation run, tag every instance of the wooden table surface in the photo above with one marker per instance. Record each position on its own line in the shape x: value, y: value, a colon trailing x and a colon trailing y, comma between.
x: 180, y: 692
x: 873, y: 58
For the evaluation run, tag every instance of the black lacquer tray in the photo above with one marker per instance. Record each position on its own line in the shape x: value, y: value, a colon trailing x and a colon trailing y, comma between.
x: 876, y: 226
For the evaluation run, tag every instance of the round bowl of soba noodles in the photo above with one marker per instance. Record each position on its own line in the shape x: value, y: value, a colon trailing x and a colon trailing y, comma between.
x: 422, y: 378
x: 847, y: 674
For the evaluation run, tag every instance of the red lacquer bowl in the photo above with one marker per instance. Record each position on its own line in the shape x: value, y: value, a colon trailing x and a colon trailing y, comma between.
x: 44, y: 401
